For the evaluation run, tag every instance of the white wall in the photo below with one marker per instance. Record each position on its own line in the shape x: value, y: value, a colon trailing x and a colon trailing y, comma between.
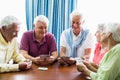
x: 97, y: 11
x: 15, y: 8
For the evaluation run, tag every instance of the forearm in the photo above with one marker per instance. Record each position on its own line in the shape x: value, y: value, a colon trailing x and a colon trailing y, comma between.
x: 62, y: 51
x: 27, y: 56
x: 55, y: 55
x: 62, y: 54
x: 8, y: 67
x: 87, y: 53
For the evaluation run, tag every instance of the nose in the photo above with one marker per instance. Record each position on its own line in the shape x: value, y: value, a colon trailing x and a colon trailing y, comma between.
x: 15, y: 34
x: 74, y: 24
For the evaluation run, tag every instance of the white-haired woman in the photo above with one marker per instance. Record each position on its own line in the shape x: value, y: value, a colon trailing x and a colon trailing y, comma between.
x: 39, y: 42
x: 109, y: 68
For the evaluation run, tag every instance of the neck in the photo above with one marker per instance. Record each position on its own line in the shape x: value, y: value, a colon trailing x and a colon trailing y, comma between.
x: 103, y: 45
x: 111, y: 43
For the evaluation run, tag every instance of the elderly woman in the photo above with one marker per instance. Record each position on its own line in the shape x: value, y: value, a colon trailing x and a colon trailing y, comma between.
x: 39, y: 42
x: 101, y: 46
x: 100, y: 50
x: 109, y: 68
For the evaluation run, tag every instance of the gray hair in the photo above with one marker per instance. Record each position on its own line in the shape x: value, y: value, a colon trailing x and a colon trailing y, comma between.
x: 8, y: 20
x: 41, y: 18
x: 75, y: 13
x: 100, y: 27
x: 113, y: 28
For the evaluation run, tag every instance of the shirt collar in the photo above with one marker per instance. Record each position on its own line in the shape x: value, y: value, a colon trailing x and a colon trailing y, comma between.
x: 35, y: 40
x: 2, y: 40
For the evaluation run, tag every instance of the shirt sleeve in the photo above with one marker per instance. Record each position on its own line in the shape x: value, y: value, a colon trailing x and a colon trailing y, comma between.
x: 17, y: 56
x: 8, y: 67
x: 53, y: 44
x: 63, y: 41
x: 109, y: 68
x: 24, y: 44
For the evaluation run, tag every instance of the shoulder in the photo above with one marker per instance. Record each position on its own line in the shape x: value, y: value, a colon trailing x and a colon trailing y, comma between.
x: 49, y: 35
x: 28, y: 32
x: 14, y: 41
x: 90, y: 33
x: 67, y: 30
x: 116, y: 48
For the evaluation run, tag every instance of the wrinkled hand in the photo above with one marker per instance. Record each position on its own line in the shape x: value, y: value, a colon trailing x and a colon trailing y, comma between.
x: 70, y: 61
x: 87, y: 63
x: 37, y: 60
x: 44, y: 61
x: 82, y: 68
x: 86, y: 57
x: 91, y: 66
x: 25, y: 65
x: 62, y: 62
x: 66, y: 60
x: 50, y: 60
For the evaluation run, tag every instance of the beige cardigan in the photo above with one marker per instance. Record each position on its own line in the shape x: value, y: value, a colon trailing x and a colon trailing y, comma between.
x: 9, y: 51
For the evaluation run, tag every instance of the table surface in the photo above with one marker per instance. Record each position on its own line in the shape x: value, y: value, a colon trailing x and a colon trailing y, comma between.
x: 54, y: 72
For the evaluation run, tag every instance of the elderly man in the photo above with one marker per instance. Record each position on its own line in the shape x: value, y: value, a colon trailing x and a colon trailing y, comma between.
x: 10, y: 58
x: 76, y: 42
x: 37, y: 43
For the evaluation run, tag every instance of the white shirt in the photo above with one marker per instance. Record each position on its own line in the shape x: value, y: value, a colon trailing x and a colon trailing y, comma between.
x: 88, y: 43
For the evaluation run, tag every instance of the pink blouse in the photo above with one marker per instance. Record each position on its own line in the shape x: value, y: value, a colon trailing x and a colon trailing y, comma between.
x: 97, y: 55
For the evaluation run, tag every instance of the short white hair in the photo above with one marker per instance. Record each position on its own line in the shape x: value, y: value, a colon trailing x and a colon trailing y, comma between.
x: 41, y: 18
x: 100, y: 27
x: 113, y: 28
x: 75, y: 13
x: 8, y: 20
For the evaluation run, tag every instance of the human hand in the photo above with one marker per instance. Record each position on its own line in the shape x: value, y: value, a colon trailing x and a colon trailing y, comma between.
x: 90, y: 66
x: 66, y: 60
x: 82, y: 68
x: 85, y: 57
x: 61, y: 62
x: 50, y: 59
x: 69, y: 60
x: 25, y: 65
x: 87, y: 63
x: 44, y: 60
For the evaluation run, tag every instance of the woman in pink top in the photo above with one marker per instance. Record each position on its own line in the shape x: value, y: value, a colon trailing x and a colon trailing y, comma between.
x: 100, y: 50
x: 101, y: 46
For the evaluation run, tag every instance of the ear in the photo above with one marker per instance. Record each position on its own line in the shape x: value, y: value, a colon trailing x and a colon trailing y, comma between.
x: 109, y: 34
x: 3, y: 28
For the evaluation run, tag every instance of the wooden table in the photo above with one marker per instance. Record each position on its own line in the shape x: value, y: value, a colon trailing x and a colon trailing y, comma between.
x: 54, y: 72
